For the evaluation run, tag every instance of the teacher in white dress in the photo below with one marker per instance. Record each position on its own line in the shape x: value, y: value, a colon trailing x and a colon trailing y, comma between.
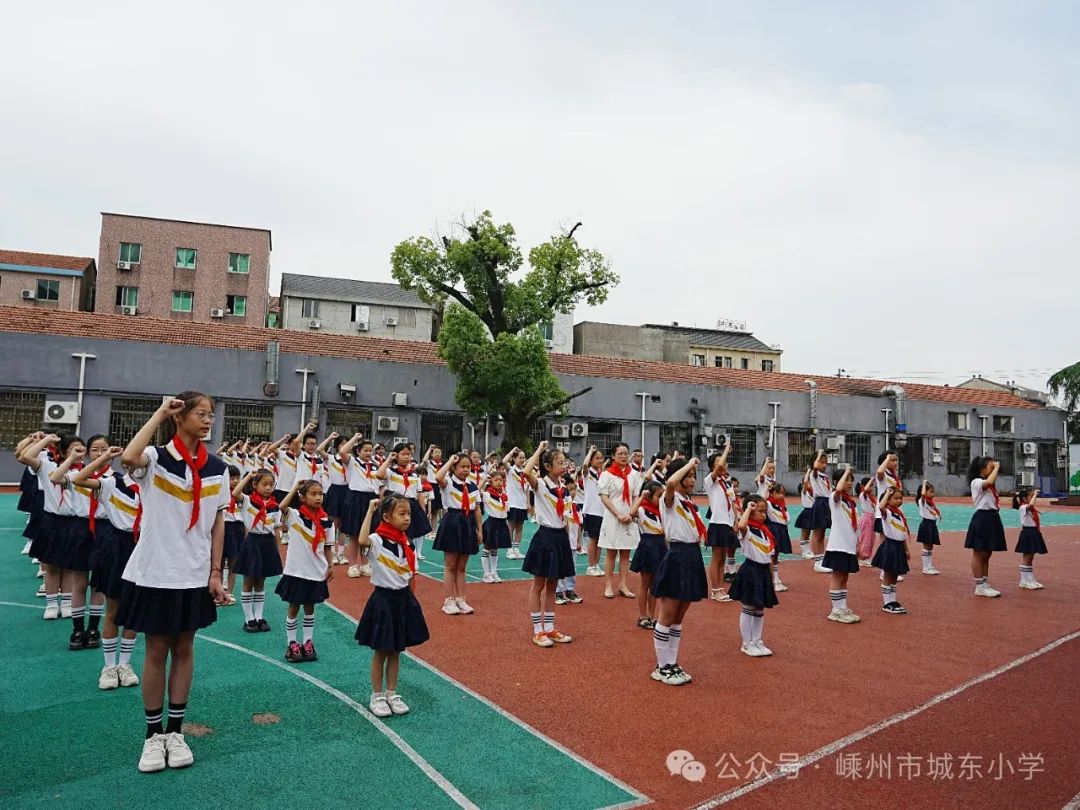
x: 619, y: 485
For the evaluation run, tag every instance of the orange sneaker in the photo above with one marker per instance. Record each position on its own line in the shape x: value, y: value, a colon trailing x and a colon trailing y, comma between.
x: 559, y: 638
x: 542, y: 640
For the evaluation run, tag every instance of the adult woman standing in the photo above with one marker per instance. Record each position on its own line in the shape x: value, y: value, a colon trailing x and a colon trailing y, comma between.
x: 619, y: 485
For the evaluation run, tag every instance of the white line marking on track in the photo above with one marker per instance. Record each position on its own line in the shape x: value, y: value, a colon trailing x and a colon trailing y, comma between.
x: 1074, y: 803
x: 20, y: 604
x: 639, y: 797
x: 440, y: 781
x: 881, y: 725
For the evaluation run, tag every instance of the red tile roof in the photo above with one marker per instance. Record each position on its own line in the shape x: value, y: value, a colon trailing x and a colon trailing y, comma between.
x: 248, y: 338
x: 45, y: 260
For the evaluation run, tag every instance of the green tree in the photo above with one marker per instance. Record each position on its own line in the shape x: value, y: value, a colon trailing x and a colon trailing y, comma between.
x: 489, y: 336
x: 1066, y: 385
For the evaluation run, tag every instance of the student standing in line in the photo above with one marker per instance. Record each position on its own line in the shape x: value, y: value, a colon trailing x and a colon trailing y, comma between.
x: 985, y: 533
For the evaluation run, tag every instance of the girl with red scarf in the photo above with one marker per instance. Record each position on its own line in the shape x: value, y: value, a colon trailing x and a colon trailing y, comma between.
x: 753, y: 584
x: 650, y: 550
x: 1031, y: 541
x: 392, y: 619
x: 308, y: 562
x: 892, y: 555
x: 777, y: 518
x: 617, y: 489
x: 496, y: 530
x: 928, y: 528
x: 841, y: 552
x: 259, y: 558
x: 985, y: 533
x: 460, y: 531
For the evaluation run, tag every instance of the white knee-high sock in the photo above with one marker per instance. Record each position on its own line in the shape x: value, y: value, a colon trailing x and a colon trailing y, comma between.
x: 758, y: 623
x: 290, y: 630
x: 258, y: 602
x: 108, y: 648
x: 246, y: 602
x: 127, y: 647
x: 927, y: 560
x: 746, y: 624
x: 662, y: 645
x: 675, y: 631
x: 309, y: 628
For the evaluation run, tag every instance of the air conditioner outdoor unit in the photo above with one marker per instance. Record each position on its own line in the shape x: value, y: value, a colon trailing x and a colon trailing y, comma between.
x: 1063, y: 452
x: 833, y: 443
x: 1028, y: 448
x: 560, y: 431
x: 123, y: 265
x: 400, y: 440
x: 832, y: 458
x: 391, y: 321
x: 579, y: 429
x: 386, y: 424
x: 549, y: 344
x: 935, y: 444
x: 563, y: 446
x: 315, y: 324
x: 361, y: 326
x: 1027, y: 479
x: 128, y: 310
x: 217, y: 313
x: 61, y: 413
x: 401, y: 399
x: 28, y: 294
x: 1030, y: 462
x: 936, y: 458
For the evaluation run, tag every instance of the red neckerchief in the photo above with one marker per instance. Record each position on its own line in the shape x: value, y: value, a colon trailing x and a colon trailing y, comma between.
x: 758, y: 526
x: 194, y: 464
x: 560, y: 505
x: 94, y: 498
x: 575, y: 516
x: 466, y: 506
x: 1034, y: 515
x: 993, y: 489
x: 624, y: 473
x: 849, y: 502
x: 232, y: 503
x: 388, y: 532
x: 316, y: 519
x: 263, y: 505
x: 688, y: 505
x: 498, y: 495
x: 931, y: 505
x: 313, y: 461
x: 477, y: 469
x: 61, y: 487
x: 650, y: 509
x: 892, y: 510
x: 137, y: 526
x: 404, y: 473
x: 780, y: 505
x: 521, y: 478
x: 893, y: 476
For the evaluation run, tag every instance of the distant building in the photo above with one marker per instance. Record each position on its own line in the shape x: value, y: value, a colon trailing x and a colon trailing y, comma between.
x: 980, y: 383
x: 47, y: 281
x: 346, y: 306
x: 183, y: 271
x: 559, y: 333
x: 716, y: 348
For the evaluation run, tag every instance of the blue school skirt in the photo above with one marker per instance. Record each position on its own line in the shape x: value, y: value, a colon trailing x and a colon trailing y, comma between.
x: 165, y: 611
x: 820, y: 516
x: 649, y: 554
x: 549, y: 554
x: 721, y: 536
x: 890, y: 557
x: 234, y: 538
x: 496, y: 534
x: 334, y: 501
x: 354, y: 508
x: 457, y: 533
x: 780, y: 534
x: 258, y: 557
x: 681, y: 574
x: 300, y: 591
x: 1030, y: 541
x: 392, y: 620
x: 985, y: 532
x: 928, y: 533
x: 753, y: 585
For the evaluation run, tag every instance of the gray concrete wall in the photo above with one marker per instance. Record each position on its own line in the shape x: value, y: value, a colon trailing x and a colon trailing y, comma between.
x: 619, y: 340
x: 44, y: 364
x: 336, y: 318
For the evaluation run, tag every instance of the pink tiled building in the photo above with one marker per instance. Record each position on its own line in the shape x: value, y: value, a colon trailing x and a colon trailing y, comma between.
x: 46, y: 281
x: 185, y: 271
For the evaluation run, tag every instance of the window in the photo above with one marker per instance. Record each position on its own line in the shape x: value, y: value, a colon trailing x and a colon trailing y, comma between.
x: 678, y: 436
x: 127, y: 296
x: 604, y: 435
x: 745, y: 362
x: 912, y: 462
x: 958, y: 420
x: 238, y: 262
x: 1003, y: 424
x: 347, y: 421
x: 130, y: 252
x: 361, y: 313
x: 718, y: 361
x: 767, y: 365
x: 697, y: 359
x: 743, y: 454
x: 185, y: 258
x: 857, y: 451
x: 21, y: 413
x: 1048, y: 463
x: 182, y: 301
x: 236, y: 304
x: 48, y: 290
x: 247, y: 421
x: 547, y: 329
x: 128, y: 414
x: 1005, y: 452
x: 958, y: 458
x: 272, y: 319
x: 727, y: 362
x: 800, y: 450
x: 407, y: 317
x: 309, y: 308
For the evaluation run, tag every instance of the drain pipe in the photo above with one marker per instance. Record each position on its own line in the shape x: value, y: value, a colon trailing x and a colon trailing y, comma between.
x: 813, y: 410
x: 899, y: 417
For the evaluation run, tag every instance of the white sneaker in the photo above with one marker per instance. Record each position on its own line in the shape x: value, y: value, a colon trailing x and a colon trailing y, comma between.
x: 594, y: 571
x: 486, y: 579
x: 65, y: 611
x: 450, y: 607
x: 365, y: 569
x: 40, y: 572
x: 1035, y: 585
x: 379, y: 706
x: 761, y: 648
x: 153, y: 754
x: 463, y: 606
x: 986, y: 590
x: 41, y: 591
x: 26, y: 548
x: 542, y: 640
x: 931, y: 572
x: 177, y: 751
x: 750, y: 649
x: 808, y: 555
x: 821, y: 569
x: 396, y: 704
x: 900, y: 578
x: 512, y: 553
x: 51, y: 612
x: 108, y: 679
x: 779, y: 586
x: 127, y: 675
x: 495, y: 577
x: 839, y: 615
x: 852, y: 616
x: 582, y: 552
x: 353, y: 572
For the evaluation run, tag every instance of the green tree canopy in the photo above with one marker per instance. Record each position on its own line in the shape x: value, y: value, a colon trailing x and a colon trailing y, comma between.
x: 1066, y: 385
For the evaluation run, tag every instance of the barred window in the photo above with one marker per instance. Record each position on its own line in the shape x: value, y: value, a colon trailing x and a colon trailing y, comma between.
x: 1004, y: 424
x: 677, y: 436
x: 743, y: 454
x: 1047, y: 459
x: 128, y: 414
x: 604, y: 435
x: 800, y: 450
x: 857, y: 451
x: 1005, y: 452
x: 958, y: 420
x: 244, y: 420
x: 958, y: 458
x: 912, y: 459
x: 21, y: 413
x: 348, y: 421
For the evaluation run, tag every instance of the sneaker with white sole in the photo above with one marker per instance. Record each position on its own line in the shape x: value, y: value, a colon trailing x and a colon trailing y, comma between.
x: 749, y: 648
x: 931, y: 572
x: 495, y: 577
x: 838, y: 615
x: 779, y: 586
x: 894, y: 607
x: 986, y: 590
x: 463, y: 606
x: 659, y: 673
x: 1035, y: 585
x: 487, y: 580
x: 396, y: 704
x: 542, y: 640
x: 450, y: 607
x: 65, y: 611
x: 40, y: 572
x: 109, y: 678
x: 852, y: 616
x: 153, y: 754
x: 718, y: 595
x: 761, y: 648
x: 365, y: 569
x: 177, y: 751
x: 560, y: 597
x: 353, y: 572
x: 681, y: 674
x: 821, y: 569
x: 127, y: 675
x: 379, y: 706
x: 808, y: 555
x: 51, y: 612
x: 557, y: 637
x: 594, y: 571
x: 26, y: 549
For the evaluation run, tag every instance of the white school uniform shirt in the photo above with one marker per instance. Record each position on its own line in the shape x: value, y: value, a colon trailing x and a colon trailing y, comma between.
x: 120, y: 501
x: 546, y: 503
x: 842, y: 537
x: 755, y: 546
x: 235, y: 514
x: 721, y: 500
x: 452, y: 497
x: 389, y: 565
x: 650, y: 524
x: 763, y: 485
x: 866, y: 504
x: 591, y: 481
x: 77, y: 498
x: 516, y: 484
x: 806, y: 499
x: 774, y: 514
x: 395, y: 482
x: 894, y: 527
x: 926, y: 513
x: 302, y: 560
x: 286, y: 470
x: 494, y: 507
x: 271, y: 520
x: 1025, y: 516
x: 304, y: 471
x: 821, y: 484
x: 891, y: 479
x: 168, y: 554
x: 336, y: 471
x: 362, y: 476
x: 982, y: 497
x: 678, y: 520
x: 53, y: 503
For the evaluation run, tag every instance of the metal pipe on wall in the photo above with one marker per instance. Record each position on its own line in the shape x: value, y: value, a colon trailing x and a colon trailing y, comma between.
x: 82, y: 358
x: 813, y: 410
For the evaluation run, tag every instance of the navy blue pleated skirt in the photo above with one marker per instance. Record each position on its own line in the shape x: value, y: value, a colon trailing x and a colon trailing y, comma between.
x: 234, y: 538
x: 165, y: 611
x: 392, y: 620
x: 64, y: 541
x: 549, y: 554
x: 780, y: 534
x: 334, y: 501
x: 841, y: 562
x: 928, y: 533
x: 517, y: 515
x: 879, y: 528
x: 753, y: 585
x: 457, y: 533
x: 802, y: 520
x: 649, y: 554
x: 114, y: 547
x: 354, y: 508
x: 591, y: 525
x: 721, y: 536
x: 820, y: 515
x: 31, y: 498
x: 419, y: 525
x: 1030, y: 541
x: 300, y: 591
x: 496, y: 534
x: 890, y: 557
x: 435, y: 499
x: 985, y: 532
x: 258, y: 557
x: 33, y: 525
x: 681, y: 574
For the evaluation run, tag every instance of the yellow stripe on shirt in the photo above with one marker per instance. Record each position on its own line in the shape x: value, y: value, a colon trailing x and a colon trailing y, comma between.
x: 123, y: 507
x: 182, y: 494
x: 393, y: 564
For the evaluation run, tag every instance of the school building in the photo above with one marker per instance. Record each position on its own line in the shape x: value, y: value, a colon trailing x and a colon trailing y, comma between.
x: 267, y: 381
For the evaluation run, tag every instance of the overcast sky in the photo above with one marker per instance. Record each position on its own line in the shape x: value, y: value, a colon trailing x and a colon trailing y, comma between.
x: 893, y: 191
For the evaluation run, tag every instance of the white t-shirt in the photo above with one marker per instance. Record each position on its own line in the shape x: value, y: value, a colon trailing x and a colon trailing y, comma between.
x: 389, y: 565
x: 546, y: 503
x: 721, y: 500
x: 516, y: 484
x: 286, y: 470
x: 678, y: 520
x: 867, y: 503
x: 121, y: 503
x: 894, y: 526
x: 1025, y: 516
x: 982, y: 496
x: 494, y: 507
x: 452, y: 494
x: 591, y: 480
x: 403, y: 482
x: 928, y: 512
x: 362, y: 476
x: 842, y: 537
x: 650, y: 524
x: 302, y: 560
x: 168, y: 554
x: 763, y: 484
x: 806, y: 499
x: 755, y: 545
x: 335, y: 471
x: 53, y: 504
x: 890, y: 479
x: 308, y: 468
x: 775, y: 513
x: 77, y: 498
x: 821, y: 484
x: 249, y: 511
